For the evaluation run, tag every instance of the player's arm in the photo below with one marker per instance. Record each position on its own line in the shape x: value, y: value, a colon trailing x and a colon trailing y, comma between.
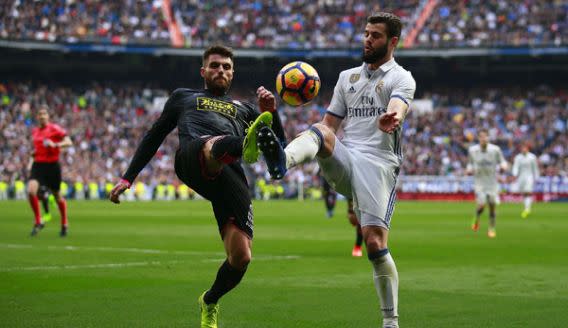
x: 503, y: 165
x: 401, y: 96
x: 469, y: 167
x: 536, y: 172
x: 351, y: 213
x: 515, y: 170
x: 337, y: 109
x: 267, y: 103
x: 331, y: 121
x: 149, y: 145
x: 65, y: 143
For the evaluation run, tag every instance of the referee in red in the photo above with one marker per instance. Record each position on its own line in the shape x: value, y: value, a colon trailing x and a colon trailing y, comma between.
x: 48, y: 139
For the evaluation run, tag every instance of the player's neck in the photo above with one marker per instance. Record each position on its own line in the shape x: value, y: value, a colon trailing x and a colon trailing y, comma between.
x: 374, y: 66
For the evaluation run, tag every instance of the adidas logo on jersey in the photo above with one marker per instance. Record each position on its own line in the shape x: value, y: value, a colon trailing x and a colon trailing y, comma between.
x: 351, y: 90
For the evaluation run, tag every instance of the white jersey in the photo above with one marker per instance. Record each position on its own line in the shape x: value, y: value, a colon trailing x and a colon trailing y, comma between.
x: 484, y: 165
x: 525, y: 166
x: 360, y: 96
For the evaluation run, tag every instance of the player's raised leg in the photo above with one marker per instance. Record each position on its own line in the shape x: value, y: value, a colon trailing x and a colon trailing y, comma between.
x: 319, y: 139
x: 250, y: 150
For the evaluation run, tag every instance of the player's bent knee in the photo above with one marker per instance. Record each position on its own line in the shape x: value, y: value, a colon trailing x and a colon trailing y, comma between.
x: 328, y: 139
x: 240, y: 260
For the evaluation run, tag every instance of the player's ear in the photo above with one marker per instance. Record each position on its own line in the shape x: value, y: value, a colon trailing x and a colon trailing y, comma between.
x: 394, y: 41
x: 202, y: 71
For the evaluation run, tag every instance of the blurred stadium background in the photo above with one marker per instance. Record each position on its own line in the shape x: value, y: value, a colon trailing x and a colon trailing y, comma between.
x: 105, y: 69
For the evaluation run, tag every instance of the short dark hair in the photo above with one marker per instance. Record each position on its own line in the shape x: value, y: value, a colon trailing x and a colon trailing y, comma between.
x: 483, y: 130
x: 217, y: 50
x: 392, y: 21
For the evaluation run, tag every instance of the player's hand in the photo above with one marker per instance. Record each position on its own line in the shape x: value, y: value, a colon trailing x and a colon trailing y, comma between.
x: 266, y: 100
x: 352, y: 218
x: 118, y: 189
x: 388, y: 122
x: 50, y: 144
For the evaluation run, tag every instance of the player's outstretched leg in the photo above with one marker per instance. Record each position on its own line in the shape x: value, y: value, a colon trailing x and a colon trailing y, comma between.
x: 250, y: 145
x: 273, y: 152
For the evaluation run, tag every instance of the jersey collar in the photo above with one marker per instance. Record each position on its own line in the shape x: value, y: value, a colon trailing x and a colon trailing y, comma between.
x: 383, y: 68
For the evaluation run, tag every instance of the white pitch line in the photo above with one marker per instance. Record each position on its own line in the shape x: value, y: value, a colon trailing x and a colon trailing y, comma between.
x: 87, y: 266
x: 110, y: 249
x: 266, y: 257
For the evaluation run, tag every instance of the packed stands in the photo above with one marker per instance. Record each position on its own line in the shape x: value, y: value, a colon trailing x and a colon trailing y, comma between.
x: 299, y: 24
x: 496, y: 23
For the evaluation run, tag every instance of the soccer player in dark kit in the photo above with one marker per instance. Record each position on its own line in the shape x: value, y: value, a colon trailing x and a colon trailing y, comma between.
x: 214, y: 133
x: 48, y: 140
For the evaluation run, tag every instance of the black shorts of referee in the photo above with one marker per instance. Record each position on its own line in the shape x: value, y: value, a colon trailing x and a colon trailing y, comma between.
x: 47, y: 174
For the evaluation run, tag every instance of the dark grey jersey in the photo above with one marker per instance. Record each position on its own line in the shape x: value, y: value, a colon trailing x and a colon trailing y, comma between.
x: 195, y: 113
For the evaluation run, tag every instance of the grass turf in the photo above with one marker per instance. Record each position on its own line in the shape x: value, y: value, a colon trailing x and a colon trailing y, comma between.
x: 145, y: 264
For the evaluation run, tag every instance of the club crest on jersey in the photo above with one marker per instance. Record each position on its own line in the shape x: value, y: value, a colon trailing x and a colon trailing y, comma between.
x: 354, y: 78
x: 379, y: 86
x: 218, y: 106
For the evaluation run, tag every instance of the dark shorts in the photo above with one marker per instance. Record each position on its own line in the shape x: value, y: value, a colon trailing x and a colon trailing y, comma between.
x: 227, y: 191
x: 47, y: 174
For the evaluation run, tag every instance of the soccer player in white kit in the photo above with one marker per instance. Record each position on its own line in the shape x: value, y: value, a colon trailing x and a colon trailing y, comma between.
x: 525, y: 171
x: 483, y: 160
x: 373, y: 100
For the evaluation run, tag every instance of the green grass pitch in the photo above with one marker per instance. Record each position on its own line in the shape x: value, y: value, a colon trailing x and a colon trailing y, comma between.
x: 145, y: 264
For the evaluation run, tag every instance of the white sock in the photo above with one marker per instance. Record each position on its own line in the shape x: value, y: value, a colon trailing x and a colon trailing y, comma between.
x: 386, y: 283
x: 528, y: 202
x: 302, y: 149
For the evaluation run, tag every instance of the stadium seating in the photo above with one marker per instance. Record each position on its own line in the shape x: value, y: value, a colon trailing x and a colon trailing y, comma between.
x: 294, y: 25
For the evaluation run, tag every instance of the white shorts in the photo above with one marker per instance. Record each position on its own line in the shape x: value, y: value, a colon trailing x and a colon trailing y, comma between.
x: 525, y: 185
x: 483, y: 197
x: 368, y: 179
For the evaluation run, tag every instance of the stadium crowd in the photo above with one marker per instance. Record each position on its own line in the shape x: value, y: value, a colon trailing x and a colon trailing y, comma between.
x: 300, y: 24
x: 494, y: 23
x: 107, y: 121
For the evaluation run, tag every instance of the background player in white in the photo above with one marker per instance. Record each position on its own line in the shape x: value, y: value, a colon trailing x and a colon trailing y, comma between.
x: 483, y: 160
x: 373, y: 100
x: 525, y: 171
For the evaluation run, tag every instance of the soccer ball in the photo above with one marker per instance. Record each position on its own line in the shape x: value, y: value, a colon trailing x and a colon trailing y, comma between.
x: 297, y: 83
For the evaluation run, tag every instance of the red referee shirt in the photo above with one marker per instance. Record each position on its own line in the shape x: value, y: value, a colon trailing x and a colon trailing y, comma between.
x: 40, y: 135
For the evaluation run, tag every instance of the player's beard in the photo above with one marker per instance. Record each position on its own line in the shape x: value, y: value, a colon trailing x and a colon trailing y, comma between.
x: 377, y: 54
x: 216, y: 87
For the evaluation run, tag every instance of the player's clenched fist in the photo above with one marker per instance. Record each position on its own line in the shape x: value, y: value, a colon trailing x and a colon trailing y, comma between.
x: 118, y: 189
x: 266, y: 100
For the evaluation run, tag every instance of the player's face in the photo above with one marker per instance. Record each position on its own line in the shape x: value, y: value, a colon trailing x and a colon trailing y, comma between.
x: 376, y: 44
x: 525, y: 149
x: 218, y: 73
x: 43, y: 117
x: 483, y: 139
